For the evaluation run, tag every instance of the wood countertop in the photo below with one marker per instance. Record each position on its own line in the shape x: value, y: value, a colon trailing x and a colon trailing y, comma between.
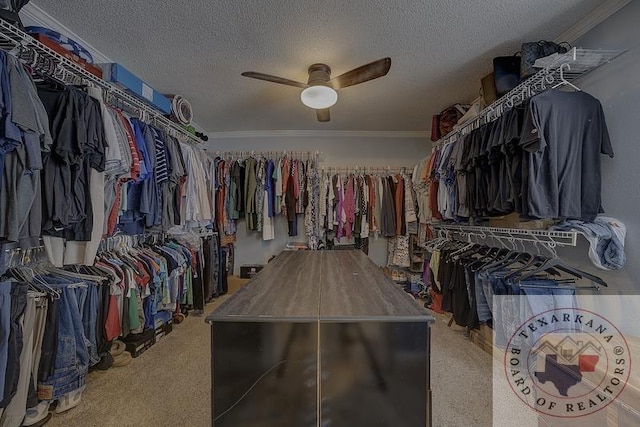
x: 327, y: 286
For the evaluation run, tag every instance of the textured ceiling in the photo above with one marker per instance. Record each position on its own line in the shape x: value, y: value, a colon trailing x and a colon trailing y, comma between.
x: 439, y: 49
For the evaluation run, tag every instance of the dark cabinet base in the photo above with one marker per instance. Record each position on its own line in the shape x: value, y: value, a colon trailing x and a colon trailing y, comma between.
x: 320, y: 374
x: 320, y: 338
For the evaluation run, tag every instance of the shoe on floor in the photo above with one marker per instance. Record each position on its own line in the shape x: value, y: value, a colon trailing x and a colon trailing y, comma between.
x: 178, y: 318
x: 37, y: 414
x: 117, y: 347
x: 106, y: 361
x: 122, y: 359
x: 69, y: 400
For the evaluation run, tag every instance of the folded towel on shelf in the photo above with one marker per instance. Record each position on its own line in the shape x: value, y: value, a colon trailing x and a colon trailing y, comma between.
x: 606, y: 240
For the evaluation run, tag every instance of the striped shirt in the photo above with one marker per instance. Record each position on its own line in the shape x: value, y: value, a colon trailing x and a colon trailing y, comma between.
x: 162, y: 174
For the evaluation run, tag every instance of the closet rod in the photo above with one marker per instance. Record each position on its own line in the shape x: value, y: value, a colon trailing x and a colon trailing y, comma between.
x: 25, y: 256
x: 368, y: 169
x: 46, y: 61
x: 269, y: 153
x: 15, y: 246
x: 564, y: 68
x: 549, y: 240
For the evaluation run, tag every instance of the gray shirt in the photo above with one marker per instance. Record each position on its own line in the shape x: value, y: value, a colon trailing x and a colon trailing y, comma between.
x: 564, y: 135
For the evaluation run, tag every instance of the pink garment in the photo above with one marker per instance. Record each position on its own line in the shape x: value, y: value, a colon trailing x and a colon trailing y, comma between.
x: 349, y: 206
x: 339, y: 209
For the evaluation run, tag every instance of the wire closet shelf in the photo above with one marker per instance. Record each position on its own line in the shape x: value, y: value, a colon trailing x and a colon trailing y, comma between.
x: 548, y: 239
x: 564, y: 68
x: 367, y: 169
x: 47, y: 62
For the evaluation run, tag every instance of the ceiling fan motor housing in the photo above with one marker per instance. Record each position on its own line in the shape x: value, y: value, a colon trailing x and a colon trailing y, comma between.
x: 319, y: 74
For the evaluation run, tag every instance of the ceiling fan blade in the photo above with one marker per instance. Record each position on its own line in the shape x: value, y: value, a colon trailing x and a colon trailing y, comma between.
x: 362, y: 74
x: 323, y: 115
x: 274, y: 79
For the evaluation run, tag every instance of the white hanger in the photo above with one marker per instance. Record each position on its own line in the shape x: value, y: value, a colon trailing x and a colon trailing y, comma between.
x: 563, y: 80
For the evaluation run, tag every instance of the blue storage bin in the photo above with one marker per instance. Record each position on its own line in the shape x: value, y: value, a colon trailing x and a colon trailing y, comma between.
x: 116, y: 73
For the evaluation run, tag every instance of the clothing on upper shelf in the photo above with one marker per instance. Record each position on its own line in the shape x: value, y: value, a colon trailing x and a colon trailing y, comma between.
x: 25, y: 144
x: 606, y: 240
x: 73, y: 170
x: 541, y: 160
x: 564, y: 138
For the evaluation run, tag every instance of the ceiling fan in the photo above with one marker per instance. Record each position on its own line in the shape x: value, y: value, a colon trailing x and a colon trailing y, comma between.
x: 320, y: 91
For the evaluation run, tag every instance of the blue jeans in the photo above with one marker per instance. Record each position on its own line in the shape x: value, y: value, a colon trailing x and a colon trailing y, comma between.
x: 72, y: 358
x: 88, y: 304
x: 482, y: 305
x: 546, y: 298
x: 503, y: 317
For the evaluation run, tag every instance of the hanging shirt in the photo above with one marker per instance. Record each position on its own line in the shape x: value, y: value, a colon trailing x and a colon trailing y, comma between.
x: 349, y: 206
x: 269, y: 187
x: 250, y: 186
x: 277, y: 176
x: 268, y: 210
x: 565, y: 135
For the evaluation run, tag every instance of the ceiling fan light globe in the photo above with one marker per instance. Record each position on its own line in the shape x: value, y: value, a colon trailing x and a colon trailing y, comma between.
x: 319, y: 97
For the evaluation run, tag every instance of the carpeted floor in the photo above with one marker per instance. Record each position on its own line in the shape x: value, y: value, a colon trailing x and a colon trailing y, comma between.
x: 170, y: 383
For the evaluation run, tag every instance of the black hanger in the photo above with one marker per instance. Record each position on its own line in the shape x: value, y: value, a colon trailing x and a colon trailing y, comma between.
x: 506, y: 260
x: 534, y: 260
x: 462, y: 251
x: 559, y: 264
x: 491, y: 257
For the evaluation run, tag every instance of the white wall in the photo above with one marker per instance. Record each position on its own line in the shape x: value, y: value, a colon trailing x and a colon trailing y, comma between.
x: 617, y: 86
x: 338, y: 150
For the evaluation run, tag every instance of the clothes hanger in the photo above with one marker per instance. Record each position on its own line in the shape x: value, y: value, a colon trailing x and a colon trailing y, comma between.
x: 559, y: 286
x: 563, y: 80
x: 27, y: 274
x: 474, y: 249
x: 509, y: 258
x: 463, y: 249
x: 491, y: 256
x: 535, y: 260
x: 559, y: 264
x: 73, y: 275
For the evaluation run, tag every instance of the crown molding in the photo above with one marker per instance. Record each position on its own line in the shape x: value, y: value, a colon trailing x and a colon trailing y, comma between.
x: 592, y: 19
x: 319, y: 134
x: 35, y: 15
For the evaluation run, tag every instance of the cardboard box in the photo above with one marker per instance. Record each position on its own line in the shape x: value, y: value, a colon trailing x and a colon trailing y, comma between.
x: 478, y: 339
x: 247, y: 271
x: 513, y: 221
x: 486, y: 332
x: 67, y: 54
x: 124, y: 78
x: 505, y: 221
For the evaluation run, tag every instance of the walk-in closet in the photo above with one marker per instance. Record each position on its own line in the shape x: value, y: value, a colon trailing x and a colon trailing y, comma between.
x: 280, y: 213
